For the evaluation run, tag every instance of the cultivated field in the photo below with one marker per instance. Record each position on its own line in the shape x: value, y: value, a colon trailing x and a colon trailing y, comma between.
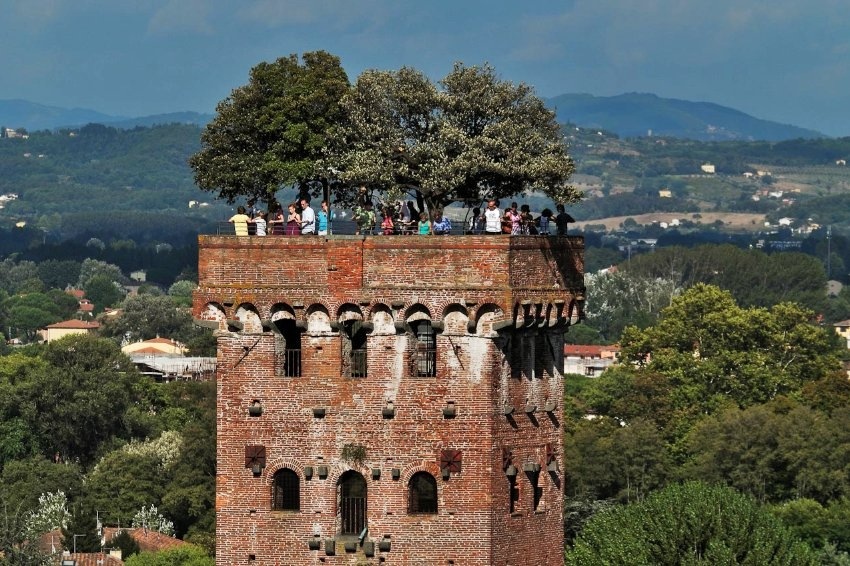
x: 738, y: 221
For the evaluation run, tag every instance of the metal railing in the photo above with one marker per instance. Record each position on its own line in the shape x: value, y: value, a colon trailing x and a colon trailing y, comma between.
x: 292, y: 362
x: 352, y: 511
x: 357, y: 363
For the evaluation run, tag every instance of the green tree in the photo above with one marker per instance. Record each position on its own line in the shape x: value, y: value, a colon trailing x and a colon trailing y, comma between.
x: 17, y: 548
x: 23, y: 481
x: 80, y: 535
x: 607, y: 459
x: 148, y: 316
x: 181, y: 291
x: 58, y: 274
x: 103, y: 291
x: 476, y: 137
x: 617, y: 300
x: 714, y: 351
x: 186, y: 555
x: 126, y: 543
x: 123, y: 483
x: 78, y: 400
x: 91, y: 268
x: 692, y: 523
x: 271, y: 132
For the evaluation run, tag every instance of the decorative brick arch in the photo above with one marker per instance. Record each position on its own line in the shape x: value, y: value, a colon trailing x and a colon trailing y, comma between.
x: 381, y: 316
x: 485, y: 316
x: 349, y: 311
x: 318, y: 318
x: 279, y: 464
x: 417, y: 311
x: 279, y: 311
x: 249, y: 316
x: 455, y: 319
x: 423, y: 466
x: 213, y: 311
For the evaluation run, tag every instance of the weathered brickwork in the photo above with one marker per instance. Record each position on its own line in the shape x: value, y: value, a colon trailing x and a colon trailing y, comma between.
x: 474, y: 400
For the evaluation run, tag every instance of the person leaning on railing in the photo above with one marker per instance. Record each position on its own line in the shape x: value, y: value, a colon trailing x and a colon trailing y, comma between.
x: 240, y: 221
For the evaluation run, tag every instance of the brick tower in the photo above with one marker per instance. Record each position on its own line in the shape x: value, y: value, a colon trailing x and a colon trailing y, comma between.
x: 390, y: 400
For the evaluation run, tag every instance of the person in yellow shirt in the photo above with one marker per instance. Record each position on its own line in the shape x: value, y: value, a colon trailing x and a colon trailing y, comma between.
x: 240, y: 221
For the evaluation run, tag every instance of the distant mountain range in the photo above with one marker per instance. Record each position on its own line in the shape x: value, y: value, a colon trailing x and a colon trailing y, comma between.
x: 23, y: 114
x: 627, y: 115
x: 638, y: 114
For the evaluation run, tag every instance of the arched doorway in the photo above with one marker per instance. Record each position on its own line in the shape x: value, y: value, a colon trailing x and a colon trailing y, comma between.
x: 352, y: 503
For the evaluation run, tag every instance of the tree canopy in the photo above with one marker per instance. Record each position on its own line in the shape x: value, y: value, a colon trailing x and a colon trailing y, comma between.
x: 469, y: 138
x: 271, y: 132
x: 693, y: 523
x: 477, y: 137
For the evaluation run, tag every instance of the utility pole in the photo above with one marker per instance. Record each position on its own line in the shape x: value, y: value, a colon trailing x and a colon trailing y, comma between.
x: 828, y: 252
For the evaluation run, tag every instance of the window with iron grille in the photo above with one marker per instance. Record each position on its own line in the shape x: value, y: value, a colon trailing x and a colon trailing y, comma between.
x: 422, y: 494
x: 286, y: 491
x: 288, y: 349
x: 352, y: 503
x: 354, y: 359
x: 424, y: 358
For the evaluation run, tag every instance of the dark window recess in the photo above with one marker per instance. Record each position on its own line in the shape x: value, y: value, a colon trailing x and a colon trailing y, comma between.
x: 422, y: 494
x: 352, y: 503
x: 286, y: 491
x: 424, y: 358
x: 353, y: 349
x: 288, y: 348
x: 536, y: 490
x: 514, y: 493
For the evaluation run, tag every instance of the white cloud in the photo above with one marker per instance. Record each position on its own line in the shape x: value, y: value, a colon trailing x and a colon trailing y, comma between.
x: 191, y: 16
x: 332, y: 14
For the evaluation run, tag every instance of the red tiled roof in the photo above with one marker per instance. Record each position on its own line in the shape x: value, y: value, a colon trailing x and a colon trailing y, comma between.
x: 588, y: 350
x: 83, y: 324
x: 148, y: 541
x: 78, y: 293
x: 92, y: 559
x: 150, y: 350
x: 159, y: 341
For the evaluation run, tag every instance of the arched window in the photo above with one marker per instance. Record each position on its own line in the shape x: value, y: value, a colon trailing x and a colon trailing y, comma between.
x: 286, y: 491
x: 354, y: 348
x: 422, y: 493
x: 352, y: 503
x: 425, y: 352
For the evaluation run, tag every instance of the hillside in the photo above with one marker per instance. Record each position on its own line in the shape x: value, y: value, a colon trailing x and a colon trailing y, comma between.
x: 32, y: 117
x: 636, y: 114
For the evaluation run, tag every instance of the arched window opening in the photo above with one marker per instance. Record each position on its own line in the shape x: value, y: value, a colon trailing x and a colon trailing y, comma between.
x: 352, y: 503
x: 289, y: 348
x: 424, y: 360
x: 286, y: 491
x: 422, y: 494
x: 354, y: 348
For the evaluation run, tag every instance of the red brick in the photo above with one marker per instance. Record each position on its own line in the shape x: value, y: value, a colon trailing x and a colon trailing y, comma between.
x: 534, y: 282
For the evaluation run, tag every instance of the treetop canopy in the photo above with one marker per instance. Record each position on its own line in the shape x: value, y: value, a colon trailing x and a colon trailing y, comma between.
x: 468, y: 138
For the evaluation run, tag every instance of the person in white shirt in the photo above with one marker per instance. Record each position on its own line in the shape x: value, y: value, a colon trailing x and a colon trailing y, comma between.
x: 492, y: 219
x: 308, y: 218
x: 259, y: 222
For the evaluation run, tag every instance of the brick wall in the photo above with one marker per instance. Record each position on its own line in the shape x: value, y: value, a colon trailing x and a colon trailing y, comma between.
x: 499, y: 306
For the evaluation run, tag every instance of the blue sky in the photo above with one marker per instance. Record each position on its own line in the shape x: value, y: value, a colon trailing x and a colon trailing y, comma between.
x: 781, y: 60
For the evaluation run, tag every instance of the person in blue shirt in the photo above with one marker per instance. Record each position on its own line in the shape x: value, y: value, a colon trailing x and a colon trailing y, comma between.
x: 323, y: 218
x: 442, y: 225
